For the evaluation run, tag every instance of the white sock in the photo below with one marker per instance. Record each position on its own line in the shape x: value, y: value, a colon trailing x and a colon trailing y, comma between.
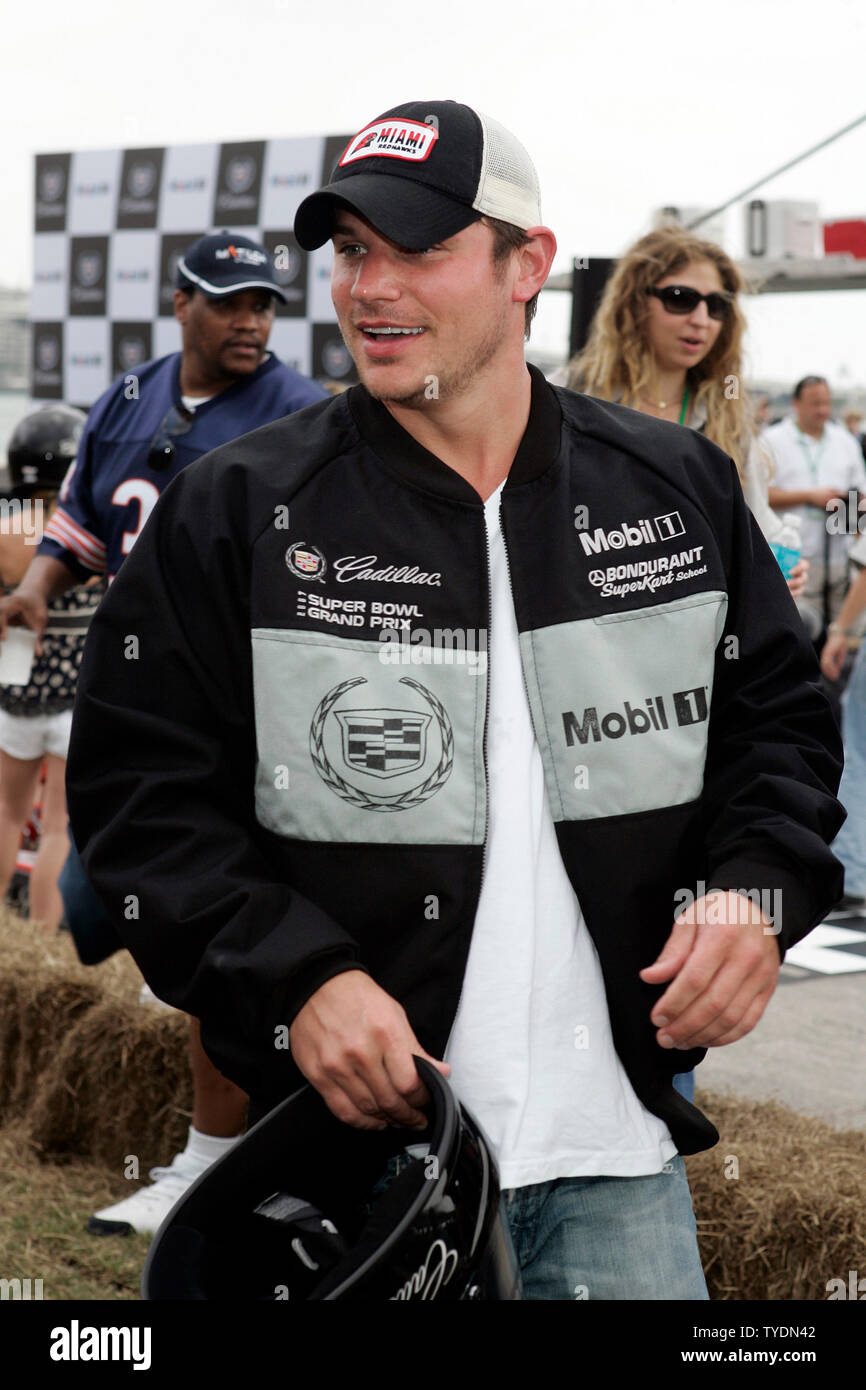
x: 206, y: 1148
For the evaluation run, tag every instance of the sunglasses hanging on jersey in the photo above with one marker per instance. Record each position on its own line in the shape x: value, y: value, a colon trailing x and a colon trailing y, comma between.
x: 682, y: 299
x: 178, y: 421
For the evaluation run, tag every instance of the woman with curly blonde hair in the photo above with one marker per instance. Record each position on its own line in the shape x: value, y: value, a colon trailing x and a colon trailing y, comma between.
x: 667, y: 339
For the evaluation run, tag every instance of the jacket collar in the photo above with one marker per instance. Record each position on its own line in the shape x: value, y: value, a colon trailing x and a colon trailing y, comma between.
x: 538, y: 448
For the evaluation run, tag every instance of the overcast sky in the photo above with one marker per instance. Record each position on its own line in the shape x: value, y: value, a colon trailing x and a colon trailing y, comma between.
x: 624, y: 107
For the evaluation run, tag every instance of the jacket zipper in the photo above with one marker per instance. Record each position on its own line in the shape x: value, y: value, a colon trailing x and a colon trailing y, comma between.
x: 511, y: 592
x: 484, y: 761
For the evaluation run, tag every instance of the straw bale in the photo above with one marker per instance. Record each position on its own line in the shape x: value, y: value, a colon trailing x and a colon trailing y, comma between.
x: 95, y: 1074
x: 780, y: 1202
x: 120, y: 1086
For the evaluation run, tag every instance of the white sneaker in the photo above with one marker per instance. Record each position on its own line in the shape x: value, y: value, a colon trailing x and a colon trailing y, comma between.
x: 146, y: 1209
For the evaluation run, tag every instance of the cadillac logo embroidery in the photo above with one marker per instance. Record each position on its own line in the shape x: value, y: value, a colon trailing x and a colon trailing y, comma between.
x: 306, y: 561
x: 382, y: 743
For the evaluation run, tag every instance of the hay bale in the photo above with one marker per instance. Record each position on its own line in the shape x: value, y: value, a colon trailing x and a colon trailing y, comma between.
x: 120, y: 1085
x: 35, y: 1014
x: 91, y: 1072
x: 780, y: 1202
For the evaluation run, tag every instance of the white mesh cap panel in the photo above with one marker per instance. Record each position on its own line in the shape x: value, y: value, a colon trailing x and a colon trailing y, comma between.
x: 508, y: 186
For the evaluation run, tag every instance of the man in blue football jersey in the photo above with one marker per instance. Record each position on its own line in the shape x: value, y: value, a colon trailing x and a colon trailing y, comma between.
x: 149, y: 425
x: 140, y: 433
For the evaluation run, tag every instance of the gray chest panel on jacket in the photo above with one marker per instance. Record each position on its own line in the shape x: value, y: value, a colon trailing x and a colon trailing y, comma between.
x: 355, y: 747
x: 621, y: 703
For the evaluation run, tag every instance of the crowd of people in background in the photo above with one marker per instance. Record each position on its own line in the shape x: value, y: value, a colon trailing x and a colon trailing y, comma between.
x: 667, y: 340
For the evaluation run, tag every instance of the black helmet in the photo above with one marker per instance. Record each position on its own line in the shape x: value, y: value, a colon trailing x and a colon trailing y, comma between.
x: 299, y: 1209
x: 42, y: 447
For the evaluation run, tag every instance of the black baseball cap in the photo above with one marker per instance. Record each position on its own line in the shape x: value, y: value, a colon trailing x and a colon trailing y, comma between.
x: 423, y: 171
x: 223, y: 263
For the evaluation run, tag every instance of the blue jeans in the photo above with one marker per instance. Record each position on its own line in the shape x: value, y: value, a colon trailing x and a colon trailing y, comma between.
x: 849, y: 845
x: 684, y: 1082
x: 94, y: 936
x: 608, y: 1238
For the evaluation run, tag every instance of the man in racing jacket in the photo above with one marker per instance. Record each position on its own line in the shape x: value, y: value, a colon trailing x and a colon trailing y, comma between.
x: 300, y: 767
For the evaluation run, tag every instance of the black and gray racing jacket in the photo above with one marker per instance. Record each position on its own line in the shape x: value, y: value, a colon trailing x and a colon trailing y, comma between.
x: 277, y: 767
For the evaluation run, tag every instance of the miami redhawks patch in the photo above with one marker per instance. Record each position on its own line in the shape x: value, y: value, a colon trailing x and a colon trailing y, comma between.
x: 397, y: 139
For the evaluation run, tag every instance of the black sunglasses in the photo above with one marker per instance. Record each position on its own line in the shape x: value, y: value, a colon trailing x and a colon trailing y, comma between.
x: 682, y: 299
x: 161, y: 454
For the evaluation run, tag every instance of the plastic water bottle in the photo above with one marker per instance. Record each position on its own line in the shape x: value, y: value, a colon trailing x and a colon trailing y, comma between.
x: 787, y: 547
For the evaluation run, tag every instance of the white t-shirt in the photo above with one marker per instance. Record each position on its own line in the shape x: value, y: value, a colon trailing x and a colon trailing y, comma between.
x: 834, y: 460
x: 531, y: 1050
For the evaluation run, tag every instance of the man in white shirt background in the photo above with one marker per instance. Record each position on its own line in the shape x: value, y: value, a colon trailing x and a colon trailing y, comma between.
x: 815, y: 462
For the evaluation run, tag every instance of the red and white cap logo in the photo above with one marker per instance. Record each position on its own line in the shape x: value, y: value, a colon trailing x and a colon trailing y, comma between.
x: 397, y: 139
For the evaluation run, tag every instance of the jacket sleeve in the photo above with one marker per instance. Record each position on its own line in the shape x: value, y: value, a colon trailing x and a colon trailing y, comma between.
x: 775, y: 754
x: 160, y: 781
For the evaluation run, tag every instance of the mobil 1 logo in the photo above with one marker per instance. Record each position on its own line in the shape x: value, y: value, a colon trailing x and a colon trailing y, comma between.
x: 656, y: 712
x: 646, y: 530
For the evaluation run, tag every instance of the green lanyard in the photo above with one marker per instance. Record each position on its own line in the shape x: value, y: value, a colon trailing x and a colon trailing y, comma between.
x: 685, y: 408
x: 812, y: 460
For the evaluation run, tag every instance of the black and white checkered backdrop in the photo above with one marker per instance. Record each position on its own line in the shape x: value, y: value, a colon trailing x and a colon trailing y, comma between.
x: 110, y: 225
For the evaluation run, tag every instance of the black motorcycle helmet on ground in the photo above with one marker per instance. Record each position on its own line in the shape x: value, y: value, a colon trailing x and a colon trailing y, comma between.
x: 42, y: 447
x: 296, y: 1211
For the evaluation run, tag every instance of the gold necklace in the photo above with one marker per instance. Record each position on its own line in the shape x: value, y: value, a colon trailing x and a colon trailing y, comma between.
x: 663, y: 405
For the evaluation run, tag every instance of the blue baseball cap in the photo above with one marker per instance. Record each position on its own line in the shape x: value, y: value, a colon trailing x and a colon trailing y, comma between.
x: 222, y: 263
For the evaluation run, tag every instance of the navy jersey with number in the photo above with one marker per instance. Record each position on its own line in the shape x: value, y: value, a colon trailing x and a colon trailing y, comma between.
x: 109, y: 491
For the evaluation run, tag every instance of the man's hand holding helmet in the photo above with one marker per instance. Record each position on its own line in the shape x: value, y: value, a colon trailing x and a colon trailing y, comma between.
x: 353, y: 1042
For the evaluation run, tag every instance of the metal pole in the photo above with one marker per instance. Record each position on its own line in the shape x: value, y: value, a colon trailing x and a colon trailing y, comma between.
x: 781, y: 170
